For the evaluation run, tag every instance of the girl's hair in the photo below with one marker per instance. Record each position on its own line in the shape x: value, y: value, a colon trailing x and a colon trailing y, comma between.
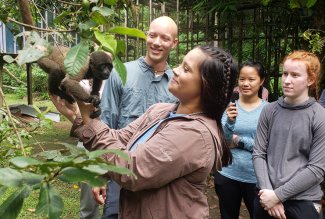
x: 313, y: 67
x: 260, y: 70
x: 218, y: 72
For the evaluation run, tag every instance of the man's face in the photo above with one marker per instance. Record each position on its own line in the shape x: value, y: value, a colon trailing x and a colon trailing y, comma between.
x: 160, y: 40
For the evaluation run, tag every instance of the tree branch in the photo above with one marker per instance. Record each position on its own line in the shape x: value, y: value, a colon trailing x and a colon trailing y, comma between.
x: 36, y: 28
x: 13, y: 76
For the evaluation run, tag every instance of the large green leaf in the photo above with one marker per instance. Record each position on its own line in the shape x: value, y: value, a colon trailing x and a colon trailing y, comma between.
x: 103, y: 168
x: 23, y: 162
x: 120, y: 170
x: 128, y: 31
x: 108, y: 42
x: 98, y: 18
x: 32, y: 178
x: 49, y: 155
x: 74, y: 175
x: 76, y: 58
x: 11, y: 207
x: 98, y: 153
x: 3, y: 190
x: 10, y: 177
x: 120, y: 68
x: 49, y: 203
x: 58, y: 19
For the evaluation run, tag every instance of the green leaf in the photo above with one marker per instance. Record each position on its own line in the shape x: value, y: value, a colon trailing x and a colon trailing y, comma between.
x: 49, y: 155
x: 74, y: 175
x: 87, y: 25
x: 103, y: 11
x: 120, y: 170
x: 98, y: 153
x: 32, y: 178
x: 110, y: 2
x: 120, y: 48
x: 120, y: 68
x: 8, y: 59
x: 10, y: 177
x: 107, y: 41
x: 58, y: 19
x: 3, y: 189
x: 50, y: 203
x: 11, y: 207
x: 310, y: 3
x: 23, y: 162
x: 98, y: 18
x: 76, y: 58
x: 128, y: 31
x: 265, y: 2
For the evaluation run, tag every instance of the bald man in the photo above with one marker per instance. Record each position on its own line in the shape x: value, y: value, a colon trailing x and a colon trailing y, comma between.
x: 147, y: 80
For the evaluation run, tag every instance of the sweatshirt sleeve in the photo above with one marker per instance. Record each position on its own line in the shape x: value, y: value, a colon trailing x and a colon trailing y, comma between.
x: 313, y: 173
x: 260, y: 150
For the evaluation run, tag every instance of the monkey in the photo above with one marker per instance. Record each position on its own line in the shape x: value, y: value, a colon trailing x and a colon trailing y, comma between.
x: 98, y: 68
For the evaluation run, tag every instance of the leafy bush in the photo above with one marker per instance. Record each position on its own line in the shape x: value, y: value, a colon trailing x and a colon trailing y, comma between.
x: 39, y: 81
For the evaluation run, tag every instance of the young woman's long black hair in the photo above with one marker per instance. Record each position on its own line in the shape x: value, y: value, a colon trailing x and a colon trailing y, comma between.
x: 219, y: 72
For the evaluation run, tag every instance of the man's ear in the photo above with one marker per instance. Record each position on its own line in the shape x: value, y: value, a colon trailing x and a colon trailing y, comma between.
x: 175, y: 43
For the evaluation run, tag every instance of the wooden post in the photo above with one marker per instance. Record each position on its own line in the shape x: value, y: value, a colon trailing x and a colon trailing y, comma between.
x: 29, y: 84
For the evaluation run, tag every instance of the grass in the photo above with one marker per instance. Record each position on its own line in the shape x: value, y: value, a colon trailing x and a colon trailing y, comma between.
x: 49, y: 139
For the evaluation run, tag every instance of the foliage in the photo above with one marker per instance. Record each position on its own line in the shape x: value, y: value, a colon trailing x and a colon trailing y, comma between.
x: 93, y: 20
x: 39, y: 84
x: 316, y: 41
x: 37, y: 172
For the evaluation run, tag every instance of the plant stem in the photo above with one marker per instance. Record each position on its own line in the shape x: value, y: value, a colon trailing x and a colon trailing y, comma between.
x: 13, y: 123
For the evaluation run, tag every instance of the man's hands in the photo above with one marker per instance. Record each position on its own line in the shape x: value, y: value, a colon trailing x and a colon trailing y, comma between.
x: 99, y: 194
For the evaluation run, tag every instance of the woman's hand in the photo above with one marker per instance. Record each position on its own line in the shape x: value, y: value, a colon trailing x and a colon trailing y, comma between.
x: 277, y: 211
x: 85, y: 109
x: 70, y: 111
x: 268, y: 198
x: 232, y: 112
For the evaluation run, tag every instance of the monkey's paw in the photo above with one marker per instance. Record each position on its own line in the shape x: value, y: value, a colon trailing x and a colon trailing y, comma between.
x: 95, y: 100
x: 96, y: 113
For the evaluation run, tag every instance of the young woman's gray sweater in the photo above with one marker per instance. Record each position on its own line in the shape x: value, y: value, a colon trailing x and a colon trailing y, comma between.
x: 289, y: 151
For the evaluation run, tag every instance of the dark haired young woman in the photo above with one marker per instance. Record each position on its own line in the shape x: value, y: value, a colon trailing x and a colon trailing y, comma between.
x: 238, y: 180
x: 172, y: 147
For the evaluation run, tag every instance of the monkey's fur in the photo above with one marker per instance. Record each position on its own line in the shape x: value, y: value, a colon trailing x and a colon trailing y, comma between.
x: 98, y: 67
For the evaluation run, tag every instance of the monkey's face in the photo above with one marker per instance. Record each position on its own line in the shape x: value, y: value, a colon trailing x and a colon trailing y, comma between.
x: 103, y: 71
x: 101, y: 65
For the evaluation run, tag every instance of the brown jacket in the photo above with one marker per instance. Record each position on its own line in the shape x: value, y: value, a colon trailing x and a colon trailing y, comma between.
x: 171, y: 166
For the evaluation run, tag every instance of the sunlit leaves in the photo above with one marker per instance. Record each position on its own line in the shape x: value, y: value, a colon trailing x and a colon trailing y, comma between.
x: 108, y: 42
x: 10, y: 177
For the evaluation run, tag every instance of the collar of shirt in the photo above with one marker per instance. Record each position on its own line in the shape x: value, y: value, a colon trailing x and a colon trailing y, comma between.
x: 146, y: 67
